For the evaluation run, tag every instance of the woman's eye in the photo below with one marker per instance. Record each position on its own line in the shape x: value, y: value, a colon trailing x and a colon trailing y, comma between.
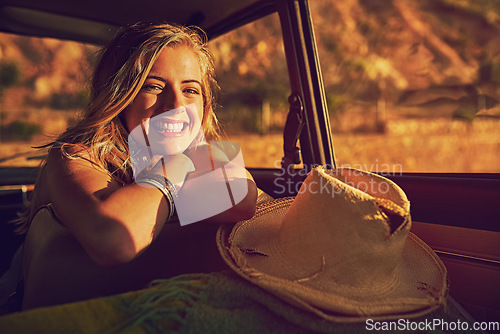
x: 152, y: 88
x: 192, y: 91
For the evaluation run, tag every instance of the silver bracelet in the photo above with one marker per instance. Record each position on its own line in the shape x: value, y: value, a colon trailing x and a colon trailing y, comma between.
x: 165, y: 186
x: 164, y: 182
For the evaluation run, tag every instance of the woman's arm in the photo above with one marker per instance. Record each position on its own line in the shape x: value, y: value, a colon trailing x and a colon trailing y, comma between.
x: 243, y: 210
x: 208, y: 159
x: 113, y: 223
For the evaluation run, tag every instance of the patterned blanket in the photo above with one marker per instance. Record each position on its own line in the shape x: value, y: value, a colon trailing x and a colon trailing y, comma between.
x: 194, y: 303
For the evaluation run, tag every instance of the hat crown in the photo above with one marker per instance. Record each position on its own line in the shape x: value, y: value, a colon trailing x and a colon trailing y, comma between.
x: 349, y: 224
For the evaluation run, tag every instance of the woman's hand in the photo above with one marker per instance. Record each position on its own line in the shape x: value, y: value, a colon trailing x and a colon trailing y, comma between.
x: 206, y: 158
x: 174, y: 167
x: 219, y: 173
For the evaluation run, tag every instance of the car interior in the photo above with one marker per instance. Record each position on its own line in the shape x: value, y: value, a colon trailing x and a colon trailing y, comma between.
x: 455, y: 213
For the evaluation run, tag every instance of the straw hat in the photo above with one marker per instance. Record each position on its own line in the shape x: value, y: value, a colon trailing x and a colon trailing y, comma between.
x: 341, y: 249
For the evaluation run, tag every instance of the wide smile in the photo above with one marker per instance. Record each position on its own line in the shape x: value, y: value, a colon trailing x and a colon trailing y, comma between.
x: 170, y: 127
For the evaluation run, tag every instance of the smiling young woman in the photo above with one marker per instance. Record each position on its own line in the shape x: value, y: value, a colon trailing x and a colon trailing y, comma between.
x: 173, y: 93
x: 93, y: 228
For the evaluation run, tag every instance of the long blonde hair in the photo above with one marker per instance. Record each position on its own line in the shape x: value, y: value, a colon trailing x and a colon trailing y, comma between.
x: 123, y: 66
x: 118, y: 77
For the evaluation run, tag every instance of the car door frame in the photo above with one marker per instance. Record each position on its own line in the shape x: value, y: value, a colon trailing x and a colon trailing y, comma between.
x: 457, y: 214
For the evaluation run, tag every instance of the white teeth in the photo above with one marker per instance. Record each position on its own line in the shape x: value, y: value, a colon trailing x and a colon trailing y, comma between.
x: 169, y: 127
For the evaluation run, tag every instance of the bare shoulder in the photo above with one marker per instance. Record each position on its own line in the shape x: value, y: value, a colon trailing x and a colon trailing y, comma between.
x: 70, y: 163
x: 74, y: 173
x: 79, y: 154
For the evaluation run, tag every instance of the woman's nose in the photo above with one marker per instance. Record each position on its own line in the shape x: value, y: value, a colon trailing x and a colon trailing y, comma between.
x: 173, y: 101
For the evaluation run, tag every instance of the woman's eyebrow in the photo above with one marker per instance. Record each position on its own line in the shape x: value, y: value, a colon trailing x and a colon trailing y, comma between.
x: 192, y: 81
x: 155, y: 77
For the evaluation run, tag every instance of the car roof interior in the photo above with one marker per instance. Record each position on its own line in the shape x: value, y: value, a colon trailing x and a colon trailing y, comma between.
x: 96, y: 21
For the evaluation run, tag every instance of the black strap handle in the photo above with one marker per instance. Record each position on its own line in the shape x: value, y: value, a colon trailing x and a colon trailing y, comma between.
x: 293, y: 128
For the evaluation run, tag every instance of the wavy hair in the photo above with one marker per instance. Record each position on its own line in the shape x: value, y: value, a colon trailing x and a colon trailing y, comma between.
x: 122, y: 69
x: 118, y: 77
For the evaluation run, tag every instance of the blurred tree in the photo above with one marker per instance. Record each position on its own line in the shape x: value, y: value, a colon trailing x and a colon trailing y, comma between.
x: 9, y: 76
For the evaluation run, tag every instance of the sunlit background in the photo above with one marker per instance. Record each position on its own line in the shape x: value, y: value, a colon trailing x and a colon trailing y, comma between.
x: 412, y: 86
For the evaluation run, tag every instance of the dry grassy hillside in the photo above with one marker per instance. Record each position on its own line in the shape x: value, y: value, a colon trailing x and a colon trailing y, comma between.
x: 49, y: 69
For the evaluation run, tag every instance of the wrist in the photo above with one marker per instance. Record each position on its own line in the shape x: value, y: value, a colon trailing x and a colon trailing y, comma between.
x: 164, y: 185
x: 175, y: 168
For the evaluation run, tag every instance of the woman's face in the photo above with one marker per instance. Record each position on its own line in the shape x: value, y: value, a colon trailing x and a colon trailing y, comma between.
x: 169, y: 107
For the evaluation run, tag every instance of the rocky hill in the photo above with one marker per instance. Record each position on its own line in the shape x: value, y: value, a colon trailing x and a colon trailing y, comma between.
x: 48, y: 69
x: 369, y: 49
